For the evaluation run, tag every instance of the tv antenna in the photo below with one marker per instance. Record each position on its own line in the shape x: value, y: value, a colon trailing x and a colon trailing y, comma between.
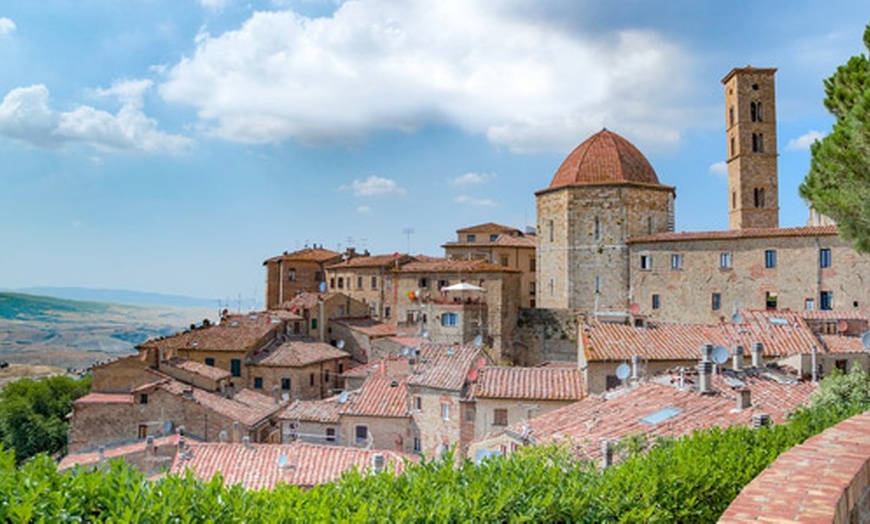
x: 408, y: 231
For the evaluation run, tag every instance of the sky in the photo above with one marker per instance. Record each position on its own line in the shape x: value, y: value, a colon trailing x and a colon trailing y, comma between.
x: 171, y: 146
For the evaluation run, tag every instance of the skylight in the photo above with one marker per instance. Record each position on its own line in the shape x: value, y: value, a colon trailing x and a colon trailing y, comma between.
x: 661, y: 415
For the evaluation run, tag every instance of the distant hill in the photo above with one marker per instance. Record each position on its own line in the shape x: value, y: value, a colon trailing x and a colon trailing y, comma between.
x: 20, y: 306
x: 119, y: 296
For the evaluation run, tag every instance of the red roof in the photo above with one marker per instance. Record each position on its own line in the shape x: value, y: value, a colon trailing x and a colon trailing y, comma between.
x: 603, y: 158
x: 234, y: 333
x: 307, y: 300
x: 444, y: 367
x: 541, y: 383
x: 263, y: 466
x: 379, y: 397
x: 367, y: 326
x: 105, y: 398
x: 392, y: 367
x: 587, y: 422
x: 245, y: 406
x: 446, y: 265
x: 842, y: 344
x: 296, y: 354
x: 89, y: 458
x: 383, y: 261
x: 489, y: 227
x: 308, y: 254
x: 732, y: 234
x: 197, y: 368
x: 326, y: 411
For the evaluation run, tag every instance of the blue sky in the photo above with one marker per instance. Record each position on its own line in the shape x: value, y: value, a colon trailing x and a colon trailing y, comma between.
x: 173, y: 145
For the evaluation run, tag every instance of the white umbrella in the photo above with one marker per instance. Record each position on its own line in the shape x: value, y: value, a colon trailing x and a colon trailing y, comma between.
x: 462, y: 286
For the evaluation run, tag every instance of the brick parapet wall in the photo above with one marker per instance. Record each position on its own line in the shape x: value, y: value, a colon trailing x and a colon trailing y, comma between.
x: 825, y: 479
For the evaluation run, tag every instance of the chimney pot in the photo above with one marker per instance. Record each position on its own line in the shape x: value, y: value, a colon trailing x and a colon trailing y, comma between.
x: 738, y: 358
x: 744, y: 399
x: 707, y: 352
x: 705, y: 370
x: 606, y: 454
x: 757, y: 355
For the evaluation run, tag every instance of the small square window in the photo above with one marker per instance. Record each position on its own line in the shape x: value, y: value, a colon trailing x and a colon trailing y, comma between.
x: 258, y: 382
x: 500, y: 417
x: 330, y: 434
x: 471, y: 238
x: 209, y: 361
x: 362, y: 434
x: 493, y: 238
x: 285, y: 384
x: 469, y: 414
x: 645, y: 262
x: 725, y: 260
x: 677, y: 261
x: 143, y: 398
x: 716, y: 301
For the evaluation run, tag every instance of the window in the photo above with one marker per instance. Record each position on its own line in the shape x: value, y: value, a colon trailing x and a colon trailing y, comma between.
x: 597, y: 284
x: 757, y: 143
x: 725, y: 260
x: 236, y: 367
x: 423, y: 282
x: 532, y: 264
x: 550, y: 228
x: 734, y: 200
x: 313, y: 323
x: 733, y: 147
x: 258, y: 382
x: 311, y: 379
x: 341, y: 367
x: 716, y: 301
x: 374, y: 282
x: 340, y: 282
x: 330, y: 434
x: 809, y: 304
x: 770, y: 300
x: 842, y: 365
x: 469, y: 414
x: 532, y: 288
x: 386, y: 311
x: 445, y: 411
x: 373, y: 309
x: 362, y: 434
x: 504, y: 261
x: 825, y: 257
x: 443, y: 283
x: 318, y: 276
x: 449, y: 319
x: 493, y: 238
x: 753, y: 115
x: 285, y: 383
x: 417, y: 445
x: 209, y: 361
x: 388, y: 282
x: 332, y: 283
x: 143, y: 398
x: 418, y: 403
x: 596, y: 232
x: 677, y: 261
x: 770, y: 258
x: 731, y: 116
x: 471, y: 238
x: 359, y: 282
x: 291, y: 274
x: 645, y: 262
x: 611, y: 382
x: 500, y: 417
x: 758, y: 197
x: 656, y: 301
x: 826, y: 300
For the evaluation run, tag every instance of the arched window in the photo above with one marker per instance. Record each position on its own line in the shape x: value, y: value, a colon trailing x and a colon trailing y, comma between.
x: 755, y: 143
x: 758, y: 112
x: 758, y: 197
x: 731, y: 116
x: 733, y: 147
x: 753, y: 112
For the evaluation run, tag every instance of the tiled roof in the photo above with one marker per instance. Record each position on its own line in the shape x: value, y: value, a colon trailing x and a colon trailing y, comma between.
x: 105, y: 398
x: 296, y: 353
x: 234, y: 333
x: 307, y: 300
x: 502, y: 241
x: 197, y: 368
x: 384, y: 261
x: 391, y: 367
x: 306, y: 255
x: 90, y: 457
x: 731, y: 234
x: 783, y: 333
x: 542, y: 383
x: 325, y: 411
x: 605, y: 157
x: 256, y: 466
x: 379, y: 397
x: 445, y: 265
x: 367, y: 326
x: 246, y: 407
x: 823, y: 314
x: 443, y: 366
x: 488, y: 227
x: 842, y: 344
x: 587, y: 422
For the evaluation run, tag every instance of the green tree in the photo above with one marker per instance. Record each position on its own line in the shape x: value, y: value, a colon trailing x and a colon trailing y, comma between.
x: 838, y: 183
x: 33, y: 414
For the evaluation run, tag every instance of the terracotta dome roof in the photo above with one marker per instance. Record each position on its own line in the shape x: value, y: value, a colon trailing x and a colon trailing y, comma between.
x: 603, y: 158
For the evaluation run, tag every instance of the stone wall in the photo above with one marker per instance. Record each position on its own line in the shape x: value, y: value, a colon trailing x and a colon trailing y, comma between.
x: 120, y: 376
x: 544, y: 335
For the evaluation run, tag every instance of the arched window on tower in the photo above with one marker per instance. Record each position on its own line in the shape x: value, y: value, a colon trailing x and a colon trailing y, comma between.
x: 759, y: 197
x: 734, y: 200
x: 733, y: 148
x: 753, y: 112
x: 755, y: 143
x: 731, y: 116
x: 758, y: 112
x: 649, y: 225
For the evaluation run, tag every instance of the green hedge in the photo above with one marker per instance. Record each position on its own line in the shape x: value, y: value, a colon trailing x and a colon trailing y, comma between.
x: 692, y: 479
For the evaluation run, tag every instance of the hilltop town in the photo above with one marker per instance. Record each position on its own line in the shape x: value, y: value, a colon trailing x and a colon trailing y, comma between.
x: 600, y: 323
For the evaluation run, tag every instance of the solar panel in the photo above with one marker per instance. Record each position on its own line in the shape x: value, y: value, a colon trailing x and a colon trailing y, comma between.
x: 661, y: 415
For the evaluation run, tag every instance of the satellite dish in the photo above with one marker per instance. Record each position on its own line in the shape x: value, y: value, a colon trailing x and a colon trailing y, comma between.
x: 737, y: 318
x: 472, y: 374
x: 282, y: 460
x: 842, y: 326
x: 340, y: 344
x: 406, y: 351
x: 865, y: 339
x: 623, y: 371
x: 342, y: 397
x: 634, y: 308
x: 425, y: 333
x: 322, y: 287
x: 167, y: 428
x: 720, y: 354
x: 478, y: 341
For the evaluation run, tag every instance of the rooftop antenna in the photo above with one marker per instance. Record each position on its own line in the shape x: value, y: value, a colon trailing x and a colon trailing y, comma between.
x: 408, y: 231
x: 623, y: 371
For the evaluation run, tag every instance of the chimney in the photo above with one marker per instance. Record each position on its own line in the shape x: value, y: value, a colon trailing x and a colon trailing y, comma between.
x: 744, y: 399
x: 606, y: 454
x: 246, y: 441
x: 738, y: 358
x: 705, y: 370
x: 757, y: 355
x: 635, y: 367
x: 707, y: 353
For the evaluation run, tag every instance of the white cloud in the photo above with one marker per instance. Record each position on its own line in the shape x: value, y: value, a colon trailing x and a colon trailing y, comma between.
x: 6, y: 26
x: 471, y: 179
x: 719, y: 169
x: 803, y: 142
x: 374, y: 186
x: 25, y: 115
x: 363, y: 209
x: 381, y: 64
x: 477, y: 202
x: 214, y: 5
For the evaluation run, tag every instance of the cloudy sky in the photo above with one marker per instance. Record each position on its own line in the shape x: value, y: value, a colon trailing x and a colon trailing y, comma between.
x: 173, y: 145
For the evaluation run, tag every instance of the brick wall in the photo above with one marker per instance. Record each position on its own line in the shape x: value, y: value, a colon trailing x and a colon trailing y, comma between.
x: 120, y: 376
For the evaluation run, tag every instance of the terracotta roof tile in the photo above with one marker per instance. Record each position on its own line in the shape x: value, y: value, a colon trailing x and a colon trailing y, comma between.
x: 542, y: 383
x: 842, y: 344
x: 487, y: 227
x: 822, y: 314
x: 234, y: 333
x: 379, y: 397
x: 197, y: 368
x: 307, y: 300
x: 307, y: 255
x: 587, y: 422
x: 296, y: 353
x: 245, y: 406
x: 325, y: 411
x: 91, y: 457
x: 256, y: 466
x: 444, y: 366
x: 731, y: 234
x: 391, y: 367
x: 445, y: 265
x: 529, y: 241
x: 105, y: 398
x: 367, y: 326
x: 382, y: 261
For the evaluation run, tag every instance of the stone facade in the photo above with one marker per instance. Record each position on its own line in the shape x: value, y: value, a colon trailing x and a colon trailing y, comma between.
x: 314, y: 381
x: 438, y: 419
x: 297, y: 272
x: 368, y: 279
x: 119, y: 376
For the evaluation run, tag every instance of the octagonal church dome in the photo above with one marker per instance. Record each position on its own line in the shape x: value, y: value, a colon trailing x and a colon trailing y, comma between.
x: 604, y: 158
